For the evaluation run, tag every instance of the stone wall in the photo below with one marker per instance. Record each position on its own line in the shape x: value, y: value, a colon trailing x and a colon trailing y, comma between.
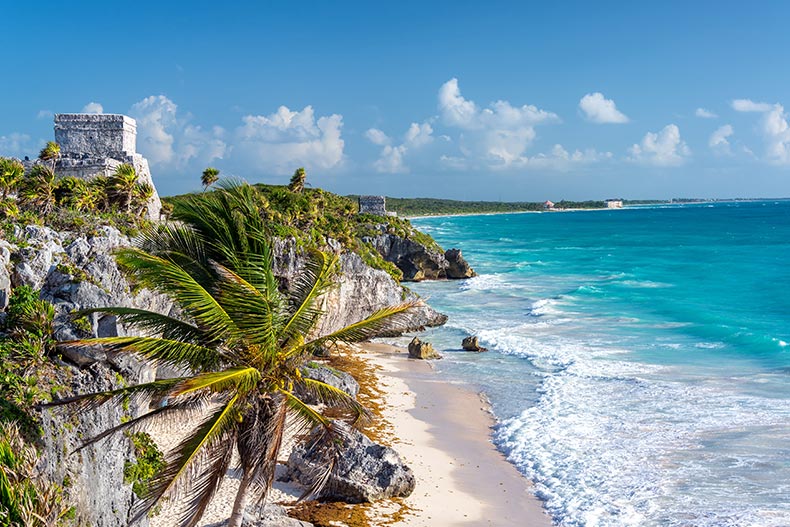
x: 373, y: 205
x: 99, y: 135
x: 96, y: 144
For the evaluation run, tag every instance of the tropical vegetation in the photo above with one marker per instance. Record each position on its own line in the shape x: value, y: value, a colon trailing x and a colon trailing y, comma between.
x: 40, y: 196
x: 243, y: 341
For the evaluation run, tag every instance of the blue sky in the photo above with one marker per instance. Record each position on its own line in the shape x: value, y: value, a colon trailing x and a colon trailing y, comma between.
x: 465, y: 100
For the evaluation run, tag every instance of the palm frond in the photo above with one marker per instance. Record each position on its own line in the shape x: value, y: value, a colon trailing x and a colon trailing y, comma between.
x: 260, y: 438
x: 388, y: 319
x: 159, y: 350
x: 168, y: 277
x: 138, y: 392
x: 241, y: 380
x: 255, y: 316
x: 179, y: 476
x: 309, y: 285
x: 181, y: 408
x: 337, y: 398
x: 152, y: 322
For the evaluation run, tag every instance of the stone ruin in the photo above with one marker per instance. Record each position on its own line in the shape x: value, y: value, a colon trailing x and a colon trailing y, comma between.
x: 96, y: 144
x: 374, y: 205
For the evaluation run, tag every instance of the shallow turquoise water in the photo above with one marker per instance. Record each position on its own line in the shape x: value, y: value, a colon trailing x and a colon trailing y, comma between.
x: 639, y: 364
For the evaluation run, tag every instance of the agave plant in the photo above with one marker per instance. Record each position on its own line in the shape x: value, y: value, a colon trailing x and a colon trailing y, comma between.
x: 244, y: 342
x: 11, y: 172
x: 37, y: 189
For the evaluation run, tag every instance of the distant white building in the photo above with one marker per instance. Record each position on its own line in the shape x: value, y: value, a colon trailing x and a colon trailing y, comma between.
x: 614, y: 204
x: 549, y: 205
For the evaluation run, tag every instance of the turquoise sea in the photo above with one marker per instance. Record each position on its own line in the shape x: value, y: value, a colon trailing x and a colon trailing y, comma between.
x: 639, y: 365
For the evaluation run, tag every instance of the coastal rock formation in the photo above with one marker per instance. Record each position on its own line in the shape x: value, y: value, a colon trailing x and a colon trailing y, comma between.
x: 336, y: 378
x: 471, y: 344
x: 422, y: 350
x: 360, y: 291
x: 366, y: 471
x: 457, y: 267
x: 419, y: 262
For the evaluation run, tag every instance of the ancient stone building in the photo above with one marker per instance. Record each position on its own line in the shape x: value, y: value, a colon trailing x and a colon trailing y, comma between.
x: 96, y: 144
x: 374, y: 205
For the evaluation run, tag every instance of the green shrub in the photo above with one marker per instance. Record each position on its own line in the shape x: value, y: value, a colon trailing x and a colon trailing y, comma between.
x: 150, y: 461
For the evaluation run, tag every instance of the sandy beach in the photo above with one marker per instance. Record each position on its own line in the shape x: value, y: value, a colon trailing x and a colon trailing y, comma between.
x: 442, y: 430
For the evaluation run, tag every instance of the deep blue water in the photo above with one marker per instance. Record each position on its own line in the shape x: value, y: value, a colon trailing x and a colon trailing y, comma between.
x: 639, y: 364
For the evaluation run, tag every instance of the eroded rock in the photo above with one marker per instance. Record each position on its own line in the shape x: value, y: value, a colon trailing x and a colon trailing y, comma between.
x: 422, y: 350
x: 366, y: 471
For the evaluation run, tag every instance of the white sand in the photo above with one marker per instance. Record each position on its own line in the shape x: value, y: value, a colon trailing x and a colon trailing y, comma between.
x: 442, y: 431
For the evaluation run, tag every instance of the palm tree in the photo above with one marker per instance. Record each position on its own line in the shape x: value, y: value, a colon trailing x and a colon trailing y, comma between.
x: 244, y: 342
x: 209, y: 177
x: 50, y: 152
x: 11, y: 171
x: 298, y: 180
x: 122, y: 184
x: 37, y: 189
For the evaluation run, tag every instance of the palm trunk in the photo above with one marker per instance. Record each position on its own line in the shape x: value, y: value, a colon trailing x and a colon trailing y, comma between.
x: 237, y: 516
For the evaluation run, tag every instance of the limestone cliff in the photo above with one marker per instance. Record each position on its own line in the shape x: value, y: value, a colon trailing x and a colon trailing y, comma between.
x: 419, y: 261
x: 77, y: 272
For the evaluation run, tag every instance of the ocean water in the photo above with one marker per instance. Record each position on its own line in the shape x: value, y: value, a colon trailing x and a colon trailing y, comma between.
x: 639, y: 364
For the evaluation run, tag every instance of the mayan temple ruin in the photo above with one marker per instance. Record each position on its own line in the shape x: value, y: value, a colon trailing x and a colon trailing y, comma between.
x: 96, y: 144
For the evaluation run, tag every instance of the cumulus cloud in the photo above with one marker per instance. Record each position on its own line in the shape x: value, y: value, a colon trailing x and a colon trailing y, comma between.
x: 44, y: 114
x: 496, y: 136
x: 377, y: 137
x: 93, y: 107
x: 747, y: 105
x: 560, y: 159
x: 14, y: 145
x: 286, y: 139
x: 718, y: 141
x: 599, y: 109
x: 391, y: 158
x: 774, y: 127
x: 167, y: 139
x: 664, y: 148
x: 705, y: 114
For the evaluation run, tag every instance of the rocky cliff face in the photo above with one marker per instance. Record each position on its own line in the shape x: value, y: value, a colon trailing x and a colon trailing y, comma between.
x: 419, y: 262
x: 359, y: 292
x: 78, y: 272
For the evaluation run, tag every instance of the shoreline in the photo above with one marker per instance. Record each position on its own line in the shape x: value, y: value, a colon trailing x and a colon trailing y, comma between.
x: 442, y: 431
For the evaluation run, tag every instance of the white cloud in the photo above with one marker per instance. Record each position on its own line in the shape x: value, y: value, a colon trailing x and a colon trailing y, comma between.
x: 419, y: 135
x: 705, y: 114
x: 774, y: 127
x: 664, y: 148
x: 598, y: 109
x: 168, y: 140
x: 14, y: 145
x: 391, y: 158
x: 747, y: 105
x: 44, y: 114
x: 377, y: 137
x: 93, y: 107
x: 718, y: 141
x: 285, y: 140
x: 497, y: 136
x: 560, y: 159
